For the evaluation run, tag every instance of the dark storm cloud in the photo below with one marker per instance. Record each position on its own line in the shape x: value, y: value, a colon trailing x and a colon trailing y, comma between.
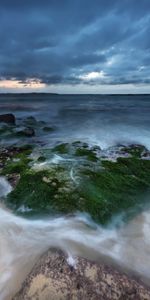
x: 62, y: 41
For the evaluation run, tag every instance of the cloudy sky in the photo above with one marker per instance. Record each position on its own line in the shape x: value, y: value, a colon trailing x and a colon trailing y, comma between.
x: 75, y: 46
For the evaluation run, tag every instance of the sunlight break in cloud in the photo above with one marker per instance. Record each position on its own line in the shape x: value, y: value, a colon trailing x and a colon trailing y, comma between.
x: 92, y: 76
x: 13, y: 84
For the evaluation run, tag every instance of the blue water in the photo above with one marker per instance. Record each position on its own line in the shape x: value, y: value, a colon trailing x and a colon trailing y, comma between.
x: 98, y: 119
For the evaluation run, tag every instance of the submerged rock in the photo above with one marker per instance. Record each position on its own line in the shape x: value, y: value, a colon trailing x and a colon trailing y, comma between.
x: 8, y: 118
x: 27, y: 132
x: 48, y: 129
x: 57, y: 277
x: 31, y: 121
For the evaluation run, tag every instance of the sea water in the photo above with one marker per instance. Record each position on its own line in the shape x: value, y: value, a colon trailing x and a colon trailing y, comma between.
x: 105, y: 121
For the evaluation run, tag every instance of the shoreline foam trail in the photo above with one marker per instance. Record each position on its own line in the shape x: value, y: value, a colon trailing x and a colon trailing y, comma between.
x: 23, y: 241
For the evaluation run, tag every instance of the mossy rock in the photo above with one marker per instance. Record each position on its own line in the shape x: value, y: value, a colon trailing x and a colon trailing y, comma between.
x: 61, y: 148
x: 17, y: 160
x: 135, y: 150
x: 104, y: 188
x: 77, y: 149
x: 90, y: 154
x: 42, y: 191
x: 114, y: 190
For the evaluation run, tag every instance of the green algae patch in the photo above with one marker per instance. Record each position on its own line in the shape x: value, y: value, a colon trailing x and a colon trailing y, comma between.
x: 43, y: 191
x: 108, y: 193
x: 99, y: 187
x: 61, y: 149
x: 135, y: 150
x: 139, y: 168
x: 32, y: 192
x: 17, y: 163
x: 77, y: 149
x: 90, y: 154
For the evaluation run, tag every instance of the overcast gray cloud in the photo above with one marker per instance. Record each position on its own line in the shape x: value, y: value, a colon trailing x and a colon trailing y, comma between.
x: 72, y: 42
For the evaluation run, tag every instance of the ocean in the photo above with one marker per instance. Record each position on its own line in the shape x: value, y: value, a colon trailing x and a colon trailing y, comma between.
x: 99, y: 120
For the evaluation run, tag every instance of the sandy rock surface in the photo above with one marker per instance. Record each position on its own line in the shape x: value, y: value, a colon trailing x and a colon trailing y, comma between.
x: 55, y: 278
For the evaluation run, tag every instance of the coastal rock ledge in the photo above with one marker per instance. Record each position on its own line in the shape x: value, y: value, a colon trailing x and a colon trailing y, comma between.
x: 54, y: 278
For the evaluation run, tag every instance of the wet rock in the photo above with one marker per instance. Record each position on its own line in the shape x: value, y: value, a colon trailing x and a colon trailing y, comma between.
x: 61, y: 148
x: 53, y: 277
x: 14, y: 161
x: 27, y: 132
x: 84, y: 182
x: 8, y: 118
x: 30, y: 121
x: 48, y: 129
x: 135, y: 150
x: 13, y: 179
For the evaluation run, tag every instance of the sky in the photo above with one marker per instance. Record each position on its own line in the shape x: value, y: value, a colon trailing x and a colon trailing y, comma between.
x: 75, y: 46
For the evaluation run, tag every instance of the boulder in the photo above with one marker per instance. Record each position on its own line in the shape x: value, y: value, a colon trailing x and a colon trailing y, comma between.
x: 57, y: 277
x: 8, y: 118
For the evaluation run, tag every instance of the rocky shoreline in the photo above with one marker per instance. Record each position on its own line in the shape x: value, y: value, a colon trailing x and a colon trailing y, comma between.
x: 57, y: 277
x: 65, y: 179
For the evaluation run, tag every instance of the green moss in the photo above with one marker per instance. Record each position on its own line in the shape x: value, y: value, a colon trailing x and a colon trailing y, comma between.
x: 134, y: 150
x: 80, y: 144
x: 62, y: 148
x: 31, y: 192
x: 108, y: 193
x: 102, y: 189
x: 86, y: 152
x: 15, y: 166
x: 42, y: 191
x: 18, y: 163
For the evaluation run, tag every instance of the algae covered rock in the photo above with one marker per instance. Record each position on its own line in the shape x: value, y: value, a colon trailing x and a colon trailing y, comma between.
x: 14, y: 161
x: 135, y: 150
x: 79, y: 181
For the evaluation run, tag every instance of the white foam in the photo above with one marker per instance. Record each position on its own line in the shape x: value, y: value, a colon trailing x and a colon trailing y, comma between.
x: 22, y: 241
x: 5, y: 187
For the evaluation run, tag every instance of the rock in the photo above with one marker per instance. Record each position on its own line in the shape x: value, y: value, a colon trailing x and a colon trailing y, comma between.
x: 13, y: 162
x: 106, y: 188
x: 57, y: 277
x: 30, y: 121
x: 8, y: 118
x: 135, y: 150
x: 27, y: 132
x: 48, y: 129
x: 13, y: 179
